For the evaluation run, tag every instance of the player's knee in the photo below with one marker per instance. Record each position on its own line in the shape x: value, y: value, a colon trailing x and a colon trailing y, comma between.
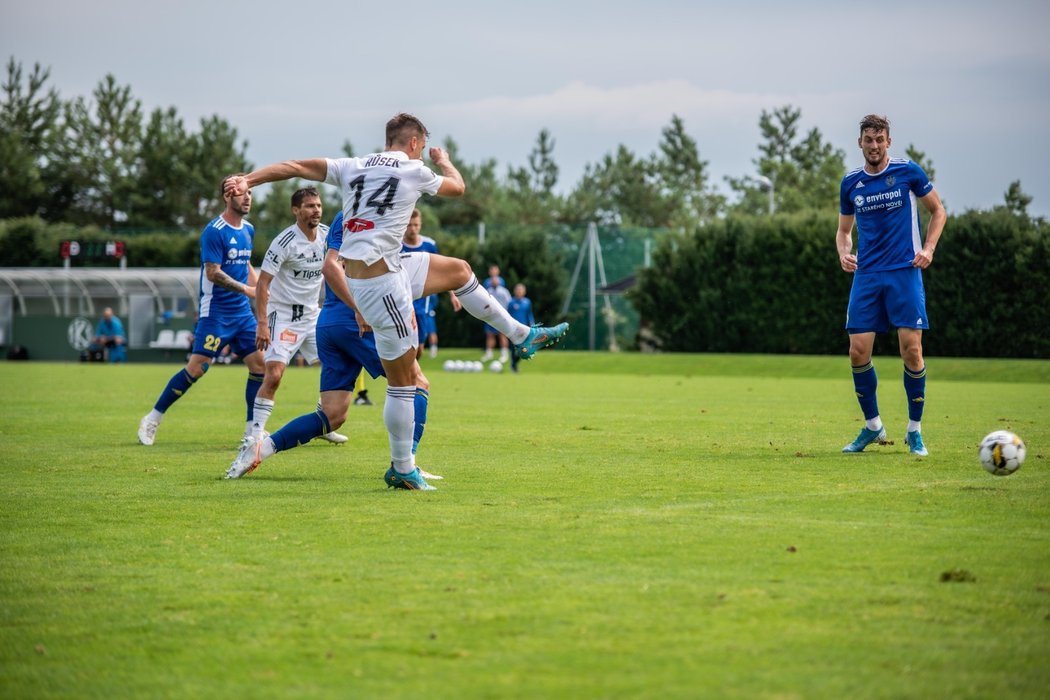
x: 461, y: 273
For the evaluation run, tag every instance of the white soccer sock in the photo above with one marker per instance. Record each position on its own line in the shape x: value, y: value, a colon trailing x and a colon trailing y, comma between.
x: 260, y: 414
x: 399, y: 415
x: 433, y: 350
x: 155, y: 416
x: 481, y: 305
x: 914, y: 426
x: 874, y: 424
x: 267, y: 449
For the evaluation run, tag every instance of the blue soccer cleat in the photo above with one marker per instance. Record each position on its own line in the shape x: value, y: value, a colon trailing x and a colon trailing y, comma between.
x: 413, y: 481
x: 915, y: 446
x: 865, y: 438
x: 540, y: 337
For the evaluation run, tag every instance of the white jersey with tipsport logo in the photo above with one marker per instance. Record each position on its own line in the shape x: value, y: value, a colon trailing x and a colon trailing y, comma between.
x: 379, y: 193
x: 295, y: 263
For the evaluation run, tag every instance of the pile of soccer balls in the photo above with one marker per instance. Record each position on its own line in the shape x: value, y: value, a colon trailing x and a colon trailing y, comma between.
x: 1001, y: 453
x: 471, y: 366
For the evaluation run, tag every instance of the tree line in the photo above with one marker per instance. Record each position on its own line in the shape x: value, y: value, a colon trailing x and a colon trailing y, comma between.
x: 103, y: 161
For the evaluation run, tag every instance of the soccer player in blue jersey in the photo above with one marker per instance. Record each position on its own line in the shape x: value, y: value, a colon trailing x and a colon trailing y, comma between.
x: 426, y: 306
x: 225, y: 318
x: 520, y: 309
x: 881, y: 198
x: 344, y: 350
x: 379, y: 192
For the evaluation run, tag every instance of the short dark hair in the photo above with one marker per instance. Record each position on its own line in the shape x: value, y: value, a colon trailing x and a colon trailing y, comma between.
x: 302, y: 193
x: 402, y: 127
x: 875, y: 122
x: 225, y: 179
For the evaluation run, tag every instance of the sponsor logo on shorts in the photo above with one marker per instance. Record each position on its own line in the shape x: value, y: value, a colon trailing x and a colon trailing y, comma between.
x: 288, y: 336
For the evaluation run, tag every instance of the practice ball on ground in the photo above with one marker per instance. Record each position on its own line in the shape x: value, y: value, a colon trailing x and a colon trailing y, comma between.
x: 449, y: 366
x: 496, y: 366
x: 1001, y: 453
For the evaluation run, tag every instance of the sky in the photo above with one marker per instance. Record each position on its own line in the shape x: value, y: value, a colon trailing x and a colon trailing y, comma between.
x: 967, y: 82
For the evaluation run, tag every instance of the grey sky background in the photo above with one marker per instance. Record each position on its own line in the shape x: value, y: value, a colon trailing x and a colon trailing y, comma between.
x: 967, y: 82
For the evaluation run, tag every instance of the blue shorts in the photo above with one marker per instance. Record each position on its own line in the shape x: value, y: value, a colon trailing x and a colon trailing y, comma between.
x: 879, y: 300
x: 213, y: 334
x: 426, y: 325
x: 343, y: 353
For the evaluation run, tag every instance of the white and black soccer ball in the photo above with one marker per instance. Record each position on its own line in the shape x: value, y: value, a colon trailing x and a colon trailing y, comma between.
x: 495, y: 366
x: 1001, y: 453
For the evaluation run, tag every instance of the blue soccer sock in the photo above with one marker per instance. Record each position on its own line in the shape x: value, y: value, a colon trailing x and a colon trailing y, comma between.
x: 251, y: 388
x: 866, y: 382
x: 300, y: 431
x: 420, y: 404
x: 915, y: 389
x: 177, y: 386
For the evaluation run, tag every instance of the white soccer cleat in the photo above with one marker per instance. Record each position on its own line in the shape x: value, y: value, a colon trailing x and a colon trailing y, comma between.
x: 247, y: 459
x: 147, y: 430
x: 246, y: 438
x: 335, y: 438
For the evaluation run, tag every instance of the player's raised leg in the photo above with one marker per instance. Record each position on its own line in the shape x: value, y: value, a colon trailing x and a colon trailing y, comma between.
x: 453, y: 274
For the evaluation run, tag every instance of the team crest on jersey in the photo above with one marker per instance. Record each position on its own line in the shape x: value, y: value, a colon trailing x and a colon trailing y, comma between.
x: 858, y: 201
x: 890, y: 181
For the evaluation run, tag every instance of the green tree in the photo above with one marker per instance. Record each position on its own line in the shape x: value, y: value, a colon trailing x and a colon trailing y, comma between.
x: 1016, y: 200
x: 622, y: 190
x: 805, y: 171
x: 29, y: 120
x: 102, y: 147
x: 531, y: 189
x: 216, y: 155
x: 684, y: 178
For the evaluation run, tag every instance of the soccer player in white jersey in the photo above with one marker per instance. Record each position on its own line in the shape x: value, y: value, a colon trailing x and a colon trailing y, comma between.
x: 287, y: 298
x: 887, y: 270
x: 379, y: 192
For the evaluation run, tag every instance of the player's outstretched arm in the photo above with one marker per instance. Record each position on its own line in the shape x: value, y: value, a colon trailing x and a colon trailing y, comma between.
x: 312, y: 169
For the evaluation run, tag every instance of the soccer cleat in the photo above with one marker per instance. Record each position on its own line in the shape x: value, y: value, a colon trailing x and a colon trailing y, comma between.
x: 540, y: 337
x: 915, y: 446
x: 865, y: 438
x: 413, y: 481
x: 246, y: 438
x: 334, y: 437
x: 147, y: 430
x: 247, y: 459
x: 362, y: 399
x: 427, y: 475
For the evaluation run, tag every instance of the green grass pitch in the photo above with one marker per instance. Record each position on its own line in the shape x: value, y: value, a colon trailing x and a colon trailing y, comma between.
x: 609, y: 526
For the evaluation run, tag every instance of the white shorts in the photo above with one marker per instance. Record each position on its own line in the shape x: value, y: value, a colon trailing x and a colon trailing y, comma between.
x: 386, y: 304
x: 287, y: 336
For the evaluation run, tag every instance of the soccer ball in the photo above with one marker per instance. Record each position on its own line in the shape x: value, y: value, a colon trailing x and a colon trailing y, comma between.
x: 1001, y: 453
x: 496, y: 367
x: 449, y: 366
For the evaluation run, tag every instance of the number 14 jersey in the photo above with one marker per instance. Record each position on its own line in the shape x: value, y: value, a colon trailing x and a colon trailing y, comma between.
x: 379, y: 193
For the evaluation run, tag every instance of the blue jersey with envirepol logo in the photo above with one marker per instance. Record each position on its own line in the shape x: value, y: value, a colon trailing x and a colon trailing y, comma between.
x: 333, y: 311
x: 885, y: 208
x: 231, y: 249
